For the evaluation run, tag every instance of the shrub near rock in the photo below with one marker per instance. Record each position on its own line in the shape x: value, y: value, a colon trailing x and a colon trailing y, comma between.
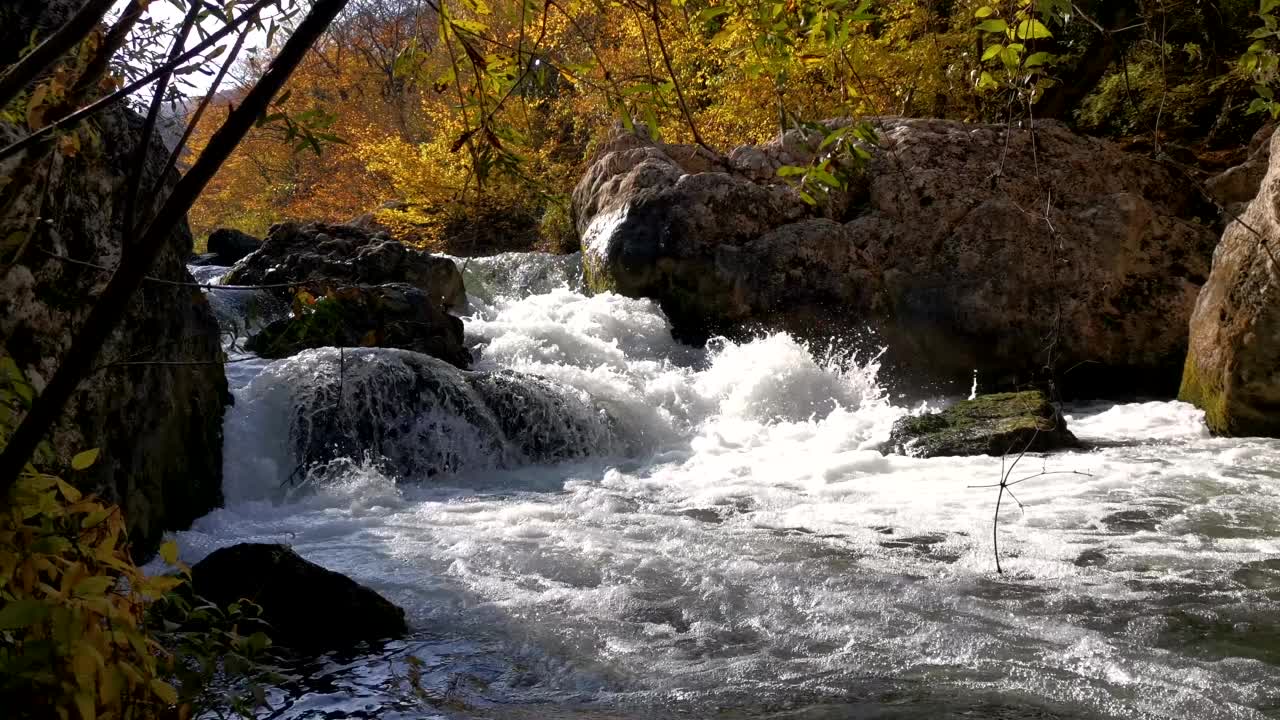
x: 1004, y: 423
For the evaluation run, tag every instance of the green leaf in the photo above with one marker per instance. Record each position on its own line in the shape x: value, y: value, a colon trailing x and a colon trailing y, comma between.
x: 94, y: 586
x: 84, y: 460
x: 992, y: 52
x: 1038, y: 59
x: 1032, y: 29
x: 994, y: 26
x: 18, y: 614
x: 985, y: 11
x: 164, y: 691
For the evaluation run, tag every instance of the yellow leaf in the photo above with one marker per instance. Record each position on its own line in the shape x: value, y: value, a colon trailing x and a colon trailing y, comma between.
x: 68, y: 492
x: 164, y: 691
x: 84, y: 460
x: 84, y: 702
x: 169, y: 552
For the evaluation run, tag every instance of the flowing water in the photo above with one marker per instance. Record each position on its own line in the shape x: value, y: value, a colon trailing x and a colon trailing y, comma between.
x: 725, y: 539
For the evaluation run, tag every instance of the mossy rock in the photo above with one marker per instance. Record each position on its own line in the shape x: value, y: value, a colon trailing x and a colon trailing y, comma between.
x: 1000, y: 424
x: 394, y: 315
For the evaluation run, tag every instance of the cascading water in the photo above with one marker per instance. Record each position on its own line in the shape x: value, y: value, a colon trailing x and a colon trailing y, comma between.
x: 714, y: 533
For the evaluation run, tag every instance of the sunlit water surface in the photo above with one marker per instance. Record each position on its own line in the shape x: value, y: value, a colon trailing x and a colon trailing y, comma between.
x: 753, y: 555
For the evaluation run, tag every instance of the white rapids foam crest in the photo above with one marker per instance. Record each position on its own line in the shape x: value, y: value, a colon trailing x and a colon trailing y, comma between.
x: 755, y: 543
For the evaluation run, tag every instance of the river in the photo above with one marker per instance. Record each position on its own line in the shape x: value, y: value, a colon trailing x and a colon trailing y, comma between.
x: 745, y: 551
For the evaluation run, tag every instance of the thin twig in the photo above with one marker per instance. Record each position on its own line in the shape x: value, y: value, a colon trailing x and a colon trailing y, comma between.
x: 176, y: 283
x: 131, y: 88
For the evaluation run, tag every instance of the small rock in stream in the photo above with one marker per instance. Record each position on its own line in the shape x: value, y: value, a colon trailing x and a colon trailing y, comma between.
x: 999, y: 424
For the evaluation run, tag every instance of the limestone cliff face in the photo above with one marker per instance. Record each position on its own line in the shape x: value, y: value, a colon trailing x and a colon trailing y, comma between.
x: 158, y: 425
x: 961, y: 246
x: 1233, y: 365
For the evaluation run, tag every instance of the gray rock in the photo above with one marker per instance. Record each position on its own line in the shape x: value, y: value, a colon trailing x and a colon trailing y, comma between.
x: 307, y: 608
x: 1232, y: 368
x: 347, y: 255
x: 1000, y: 424
x: 941, y: 246
x: 158, y: 426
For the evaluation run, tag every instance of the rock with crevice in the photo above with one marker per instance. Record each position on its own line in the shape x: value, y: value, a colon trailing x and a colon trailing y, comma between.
x: 1236, y: 187
x: 307, y: 608
x: 999, y: 424
x: 1232, y: 368
x: 154, y: 406
x: 297, y: 253
x: 959, y: 246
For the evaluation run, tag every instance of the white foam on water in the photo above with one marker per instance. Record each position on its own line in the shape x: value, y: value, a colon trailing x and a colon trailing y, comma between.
x: 758, y: 543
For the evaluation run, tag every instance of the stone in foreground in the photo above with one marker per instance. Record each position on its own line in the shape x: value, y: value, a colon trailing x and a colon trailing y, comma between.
x: 309, y: 609
x: 1000, y: 424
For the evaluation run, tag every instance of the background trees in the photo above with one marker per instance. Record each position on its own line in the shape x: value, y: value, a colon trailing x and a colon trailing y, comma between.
x: 464, y: 112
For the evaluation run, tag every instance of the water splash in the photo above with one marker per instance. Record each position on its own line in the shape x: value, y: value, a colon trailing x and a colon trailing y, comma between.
x: 748, y: 547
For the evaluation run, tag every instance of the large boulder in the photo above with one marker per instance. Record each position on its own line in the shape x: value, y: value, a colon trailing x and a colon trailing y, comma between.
x: 307, y: 608
x: 393, y: 315
x: 228, y: 246
x: 154, y: 405
x: 960, y: 246
x: 999, y: 424
x: 347, y: 254
x: 1232, y: 367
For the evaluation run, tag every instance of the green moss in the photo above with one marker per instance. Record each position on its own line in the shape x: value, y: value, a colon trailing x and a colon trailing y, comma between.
x: 1200, y: 390
x: 989, y: 424
x: 596, y: 275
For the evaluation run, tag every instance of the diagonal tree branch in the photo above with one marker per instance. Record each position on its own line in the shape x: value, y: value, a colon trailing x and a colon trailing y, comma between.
x: 112, y: 304
x: 22, y: 73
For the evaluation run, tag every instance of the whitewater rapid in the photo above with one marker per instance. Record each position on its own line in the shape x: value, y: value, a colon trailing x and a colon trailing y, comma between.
x: 748, y: 552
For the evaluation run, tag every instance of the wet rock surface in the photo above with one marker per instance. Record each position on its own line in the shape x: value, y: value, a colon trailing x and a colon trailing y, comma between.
x: 1000, y: 424
x: 308, y: 608
x: 392, y: 315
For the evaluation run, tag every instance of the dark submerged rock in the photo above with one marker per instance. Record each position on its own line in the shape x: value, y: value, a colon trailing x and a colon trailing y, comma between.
x: 347, y: 255
x: 1000, y: 424
x: 158, y: 426
x: 229, y: 246
x: 309, y: 608
x: 392, y: 315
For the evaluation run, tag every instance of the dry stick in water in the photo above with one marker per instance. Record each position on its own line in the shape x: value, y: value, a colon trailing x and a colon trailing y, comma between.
x: 114, y: 300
